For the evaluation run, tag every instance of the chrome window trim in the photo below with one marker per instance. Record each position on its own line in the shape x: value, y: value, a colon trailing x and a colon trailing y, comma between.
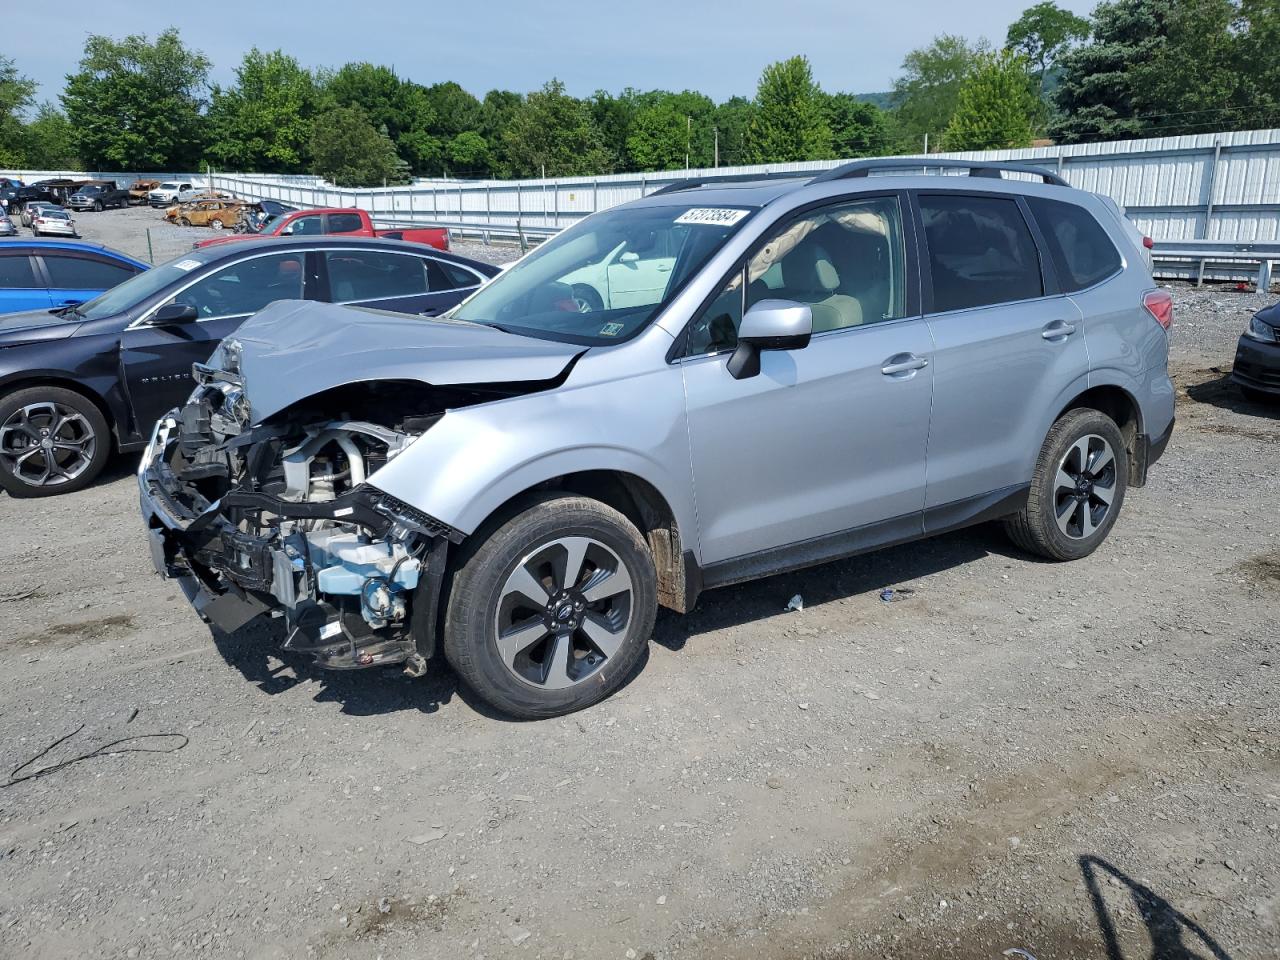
x: 150, y: 311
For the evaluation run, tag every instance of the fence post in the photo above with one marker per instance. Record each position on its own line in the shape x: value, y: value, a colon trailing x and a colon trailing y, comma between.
x: 595, y: 194
x: 488, y: 205
x: 1213, y: 189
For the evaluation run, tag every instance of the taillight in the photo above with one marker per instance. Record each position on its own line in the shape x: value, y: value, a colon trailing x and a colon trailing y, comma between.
x: 1148, y: 242
x: 1159, y: 304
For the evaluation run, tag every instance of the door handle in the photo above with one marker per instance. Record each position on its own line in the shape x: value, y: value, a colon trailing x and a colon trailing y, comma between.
x: 903, y: 363
x: 1058, y: 330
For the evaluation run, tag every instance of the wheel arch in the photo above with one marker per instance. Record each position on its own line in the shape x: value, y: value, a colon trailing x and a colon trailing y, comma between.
x: 1121, y: 406
x: 642, y: 503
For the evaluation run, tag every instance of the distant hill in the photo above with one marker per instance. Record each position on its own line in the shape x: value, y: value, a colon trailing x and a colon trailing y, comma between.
x: 881, y: 100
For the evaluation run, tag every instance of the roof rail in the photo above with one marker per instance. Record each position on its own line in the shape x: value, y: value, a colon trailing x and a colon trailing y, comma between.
x: 712, y: 181
x: 976, y: 168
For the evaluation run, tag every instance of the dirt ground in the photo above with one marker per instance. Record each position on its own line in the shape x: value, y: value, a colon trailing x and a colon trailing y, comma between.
x: 1071, y: 761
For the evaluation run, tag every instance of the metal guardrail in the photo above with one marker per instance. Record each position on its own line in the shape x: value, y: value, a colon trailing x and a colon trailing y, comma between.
x: 1216, y: 259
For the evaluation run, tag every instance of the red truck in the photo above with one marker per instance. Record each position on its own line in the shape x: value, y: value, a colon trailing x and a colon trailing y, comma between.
x: 347, y: 222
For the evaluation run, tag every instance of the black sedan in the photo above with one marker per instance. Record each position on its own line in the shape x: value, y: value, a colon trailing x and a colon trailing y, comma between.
x: 77, y: 382
x: 1257, y: 366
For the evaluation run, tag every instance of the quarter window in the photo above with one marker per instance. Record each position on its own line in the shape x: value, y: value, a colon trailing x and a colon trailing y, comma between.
x: 980, y: 252
x: 80, y: 273
x: 245, y: 287
x: 16, y: 273
x: 1081, y: 250
x: 847, y: 262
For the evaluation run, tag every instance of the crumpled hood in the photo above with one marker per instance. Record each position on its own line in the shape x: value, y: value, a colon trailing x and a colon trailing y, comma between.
x: 31, y: 325
x: 295, y: 349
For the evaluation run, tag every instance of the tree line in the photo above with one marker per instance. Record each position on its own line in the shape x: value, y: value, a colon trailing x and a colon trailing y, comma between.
x: 1133, y: 68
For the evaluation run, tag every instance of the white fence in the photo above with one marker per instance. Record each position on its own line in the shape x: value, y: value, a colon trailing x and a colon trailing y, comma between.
x: 1218, y: 186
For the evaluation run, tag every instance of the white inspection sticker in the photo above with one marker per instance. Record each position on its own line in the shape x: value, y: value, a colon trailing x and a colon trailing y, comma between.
x: 712, y: 216
x: 187, y: 264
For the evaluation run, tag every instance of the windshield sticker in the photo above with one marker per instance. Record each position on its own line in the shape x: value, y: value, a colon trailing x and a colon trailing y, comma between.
x: 611, y: 330
x: 187, y: 264
x: 712, y: 216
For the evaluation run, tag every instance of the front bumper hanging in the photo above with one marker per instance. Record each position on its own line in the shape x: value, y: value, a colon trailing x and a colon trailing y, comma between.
x: 358, y: 585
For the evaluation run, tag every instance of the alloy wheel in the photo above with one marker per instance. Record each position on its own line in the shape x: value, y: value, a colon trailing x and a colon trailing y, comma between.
x: 46, y: 444
x: 1084, y: 487
x: 564, y: 612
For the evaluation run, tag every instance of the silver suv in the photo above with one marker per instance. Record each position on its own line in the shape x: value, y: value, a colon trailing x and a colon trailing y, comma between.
x: 718, y: 382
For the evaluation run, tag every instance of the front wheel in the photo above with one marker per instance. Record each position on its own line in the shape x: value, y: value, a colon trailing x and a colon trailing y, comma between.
x: 550, y: 610
x: 1077, y: 488
x: 97, y: 206
x: 51, y: 441
x: 184, y: 222
x: 215, y: 223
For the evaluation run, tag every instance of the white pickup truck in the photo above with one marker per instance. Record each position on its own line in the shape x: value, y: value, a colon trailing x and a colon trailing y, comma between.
x: 174, y: 191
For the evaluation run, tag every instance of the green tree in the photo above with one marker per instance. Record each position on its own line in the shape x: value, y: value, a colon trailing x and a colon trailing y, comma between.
x: 858, y: 128
x: 924, y: 96
x: 263, y: 122
x: 49, y: 141
x: 613, y: 116
x: 997, y: 105
x: 348, y: 150
x: 16, y: 93
x: 376, y: 90
x: 469, y: 154
x: 136, y: 104
x: 555, y: 132
x: 732, y: 125
x: 456, y: 110
x: 1043, y: 33
x: 1098, y: 97
x: 671, y: 131
x: 496, y: 111
x: 789, y: 122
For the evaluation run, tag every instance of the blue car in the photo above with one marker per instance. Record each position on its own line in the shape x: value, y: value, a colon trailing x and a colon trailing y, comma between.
x: 50, y: 274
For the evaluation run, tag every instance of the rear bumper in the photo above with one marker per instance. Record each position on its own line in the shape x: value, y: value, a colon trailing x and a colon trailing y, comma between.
x: 1257, y: 365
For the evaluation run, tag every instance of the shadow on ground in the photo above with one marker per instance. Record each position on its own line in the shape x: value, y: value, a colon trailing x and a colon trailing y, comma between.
x: 254, y: 650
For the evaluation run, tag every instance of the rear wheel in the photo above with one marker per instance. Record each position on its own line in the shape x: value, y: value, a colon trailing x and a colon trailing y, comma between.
x: 587, y: 298
x: 52, y: 441
x: 215, y: 223
x: 552, y: 608
x: 184, y: 222
x: 1077, y: 489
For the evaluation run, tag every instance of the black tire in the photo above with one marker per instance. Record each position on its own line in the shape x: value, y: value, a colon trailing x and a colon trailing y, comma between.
x: 1257, y: 396
x: 587, y: 295
x: 184, y: 222
x: 91, y: 422
x: 97, y: 206
x: 1036, y: 527
x: 478, y: 596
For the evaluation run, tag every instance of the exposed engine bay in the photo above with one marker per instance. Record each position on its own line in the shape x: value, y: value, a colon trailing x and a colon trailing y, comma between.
x: 280, y: 518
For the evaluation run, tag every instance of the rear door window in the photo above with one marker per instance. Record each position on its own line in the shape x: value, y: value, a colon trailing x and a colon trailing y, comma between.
x: 980, y: 250
x: 16, y: 273
x: 357, y: 276
x: 81, y: 273
x: 345, y: 222
x: 1082, y: 252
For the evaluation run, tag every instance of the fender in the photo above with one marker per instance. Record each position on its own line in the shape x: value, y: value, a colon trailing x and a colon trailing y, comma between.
x: 475, y: 459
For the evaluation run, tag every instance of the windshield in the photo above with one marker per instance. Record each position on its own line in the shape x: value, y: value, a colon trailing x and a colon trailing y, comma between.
x: 90, y: 189
x: 133, y: 291
x: 603, y: 280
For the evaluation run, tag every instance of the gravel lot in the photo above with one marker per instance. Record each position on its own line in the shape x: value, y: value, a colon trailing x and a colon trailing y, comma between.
x: 1079, y: 761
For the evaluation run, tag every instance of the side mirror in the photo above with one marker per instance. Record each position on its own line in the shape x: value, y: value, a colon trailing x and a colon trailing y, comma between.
x: 173, y: 313
x: 629, y: 257
x: 770, y: 325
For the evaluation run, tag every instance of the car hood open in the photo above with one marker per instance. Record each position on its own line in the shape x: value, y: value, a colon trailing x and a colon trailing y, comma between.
x: 295, y: 349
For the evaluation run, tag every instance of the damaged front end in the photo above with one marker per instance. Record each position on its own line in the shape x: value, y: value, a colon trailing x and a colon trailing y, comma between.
x: 279, y: 518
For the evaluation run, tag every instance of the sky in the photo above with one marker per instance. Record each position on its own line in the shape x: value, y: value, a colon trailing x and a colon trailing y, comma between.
x: 716, y: 48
